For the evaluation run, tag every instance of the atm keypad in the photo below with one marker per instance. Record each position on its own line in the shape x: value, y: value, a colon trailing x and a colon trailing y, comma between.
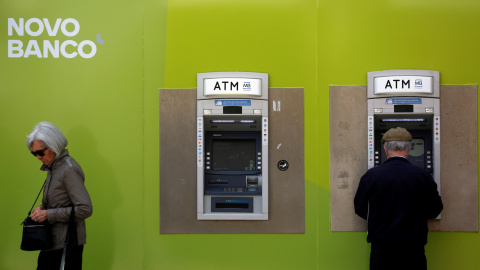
x: 259, y: 160
x: 429, y: 161
x: 207, y: 158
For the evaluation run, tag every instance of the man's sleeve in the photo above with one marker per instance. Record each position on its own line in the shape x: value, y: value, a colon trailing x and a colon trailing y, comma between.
x: 434, y: 201
x: 360, y: 201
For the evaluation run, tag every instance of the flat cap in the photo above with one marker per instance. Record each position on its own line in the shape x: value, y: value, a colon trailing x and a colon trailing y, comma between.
x: 396, y: 134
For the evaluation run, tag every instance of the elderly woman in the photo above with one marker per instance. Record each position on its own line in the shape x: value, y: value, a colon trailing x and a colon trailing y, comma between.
x: 64, y: 189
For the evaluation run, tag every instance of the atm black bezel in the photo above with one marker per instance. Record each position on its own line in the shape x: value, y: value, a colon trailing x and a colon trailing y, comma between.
x: 210, y: 136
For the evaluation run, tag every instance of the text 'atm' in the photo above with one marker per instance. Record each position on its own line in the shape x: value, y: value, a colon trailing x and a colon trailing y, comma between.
x: 408, y: 99
x: 232, y: 146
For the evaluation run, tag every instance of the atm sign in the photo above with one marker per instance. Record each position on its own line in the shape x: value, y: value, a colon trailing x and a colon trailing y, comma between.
x: 403, y: 84
x: 232, y: 87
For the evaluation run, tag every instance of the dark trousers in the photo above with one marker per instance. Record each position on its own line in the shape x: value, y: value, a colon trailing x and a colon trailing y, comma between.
x: 411, y: 259
x: 50, y: 260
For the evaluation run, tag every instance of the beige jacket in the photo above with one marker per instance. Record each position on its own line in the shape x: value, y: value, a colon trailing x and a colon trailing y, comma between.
x: 65, y: 187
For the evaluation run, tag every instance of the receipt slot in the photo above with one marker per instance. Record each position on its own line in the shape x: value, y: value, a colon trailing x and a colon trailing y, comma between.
x: 408, y: 99
x: 232, y: 146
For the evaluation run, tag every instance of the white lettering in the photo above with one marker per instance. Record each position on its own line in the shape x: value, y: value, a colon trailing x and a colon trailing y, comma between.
x: 64, y: 52
x: 52, y: 32
x: 32, y: 48
x: 51, y: 48
x: 54, y: 50
x: 20, y: 27
x: 15, y: 51
x: 13, y: 25
x: 91, y: 44
x: 76, y: 28
x: 29, y: 30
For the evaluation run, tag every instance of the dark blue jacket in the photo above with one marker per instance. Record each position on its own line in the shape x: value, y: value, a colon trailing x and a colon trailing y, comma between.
x: 397, y: 198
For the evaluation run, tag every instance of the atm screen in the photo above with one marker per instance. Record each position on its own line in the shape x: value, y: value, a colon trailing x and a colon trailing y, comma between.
x: 233, y: 154
x: 421, y: 154
x: 417, y: 153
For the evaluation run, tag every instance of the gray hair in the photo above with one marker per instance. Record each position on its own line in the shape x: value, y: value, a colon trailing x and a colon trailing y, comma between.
x: 404, y: 146
x: 50, y: 135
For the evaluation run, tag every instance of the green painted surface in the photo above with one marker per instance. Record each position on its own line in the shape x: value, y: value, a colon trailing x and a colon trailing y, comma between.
x: 107, y: 106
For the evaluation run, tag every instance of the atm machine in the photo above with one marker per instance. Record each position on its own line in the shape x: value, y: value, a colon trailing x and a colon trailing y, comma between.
x: 408, y: 99
x: 232, y: 146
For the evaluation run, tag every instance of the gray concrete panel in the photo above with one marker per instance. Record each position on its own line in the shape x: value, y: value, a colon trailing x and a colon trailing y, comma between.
x: 459, y: 157
x: 178, y: 167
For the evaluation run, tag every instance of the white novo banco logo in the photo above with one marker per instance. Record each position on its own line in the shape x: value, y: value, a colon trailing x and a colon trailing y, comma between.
x: 47, y: 48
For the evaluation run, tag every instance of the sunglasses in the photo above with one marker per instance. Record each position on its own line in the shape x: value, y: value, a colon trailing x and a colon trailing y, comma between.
x: 39, y: 152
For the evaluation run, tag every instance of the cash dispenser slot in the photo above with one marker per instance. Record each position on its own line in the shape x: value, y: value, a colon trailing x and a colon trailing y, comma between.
x: 232, y: 204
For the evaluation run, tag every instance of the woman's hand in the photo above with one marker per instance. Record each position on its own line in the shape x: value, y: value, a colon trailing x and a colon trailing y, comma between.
x: 39, y: 214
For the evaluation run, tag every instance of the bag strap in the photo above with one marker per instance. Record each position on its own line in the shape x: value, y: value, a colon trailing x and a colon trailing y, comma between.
x: 29, y: 212
x: 71, y: 239
x: 43, y: 186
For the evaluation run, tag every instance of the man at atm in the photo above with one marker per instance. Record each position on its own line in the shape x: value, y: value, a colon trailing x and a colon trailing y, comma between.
x: 397, y: 198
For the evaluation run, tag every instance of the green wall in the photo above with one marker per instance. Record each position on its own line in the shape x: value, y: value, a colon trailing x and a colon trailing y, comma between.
x: 107, y: 106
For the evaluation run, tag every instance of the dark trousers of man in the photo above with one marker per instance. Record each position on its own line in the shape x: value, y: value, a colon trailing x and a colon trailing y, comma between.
x: 403, y: 259
x: 50, y: 260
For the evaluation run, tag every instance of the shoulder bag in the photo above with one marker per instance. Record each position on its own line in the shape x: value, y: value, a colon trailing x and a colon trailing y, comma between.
x: 36, y: 236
